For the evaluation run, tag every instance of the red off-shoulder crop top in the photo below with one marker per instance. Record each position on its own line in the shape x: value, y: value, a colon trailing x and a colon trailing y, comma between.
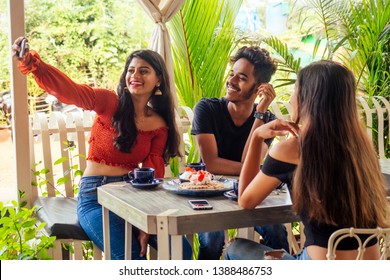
x: 150, y: 145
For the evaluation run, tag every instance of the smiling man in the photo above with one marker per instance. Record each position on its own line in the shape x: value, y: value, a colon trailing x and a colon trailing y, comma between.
x: 223, y: 126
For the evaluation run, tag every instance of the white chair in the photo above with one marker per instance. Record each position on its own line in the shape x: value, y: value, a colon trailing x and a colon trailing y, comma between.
x: 383, y: 235
x: 58, y: 202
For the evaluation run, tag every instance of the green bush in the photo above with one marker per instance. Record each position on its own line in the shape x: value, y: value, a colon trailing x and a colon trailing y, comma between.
x: 21, y: 236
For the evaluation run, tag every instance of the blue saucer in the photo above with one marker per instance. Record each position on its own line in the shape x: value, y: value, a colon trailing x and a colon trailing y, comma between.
x: 145, y: 186
x: 231, y: 195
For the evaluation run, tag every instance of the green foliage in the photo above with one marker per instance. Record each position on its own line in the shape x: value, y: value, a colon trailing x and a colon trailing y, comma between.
x: 73, y: 173
x: 21, y: 236
x: 355, y: 32
x: 4, y: 48
x: 88, y: 40
x: 367, y: 27
x: 286, y: 63
x: 203, y: 37
x: 326, y: 30
x: 191, y: 149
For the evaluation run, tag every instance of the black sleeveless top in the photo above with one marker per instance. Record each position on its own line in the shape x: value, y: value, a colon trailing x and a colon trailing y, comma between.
x: 316, y: 233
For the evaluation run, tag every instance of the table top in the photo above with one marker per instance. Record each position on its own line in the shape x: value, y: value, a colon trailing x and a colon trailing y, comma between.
x: 141, y: 208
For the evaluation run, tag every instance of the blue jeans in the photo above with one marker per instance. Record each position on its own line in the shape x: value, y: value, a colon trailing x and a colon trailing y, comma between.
x: 211, y: 243
x: 90, y: 216
x: 244, y: 249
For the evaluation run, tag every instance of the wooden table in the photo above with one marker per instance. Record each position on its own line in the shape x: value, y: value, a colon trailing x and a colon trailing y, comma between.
x: 166, y: 214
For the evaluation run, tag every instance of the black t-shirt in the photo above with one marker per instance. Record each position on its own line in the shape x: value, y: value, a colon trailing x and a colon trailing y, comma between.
x: 211, y: 116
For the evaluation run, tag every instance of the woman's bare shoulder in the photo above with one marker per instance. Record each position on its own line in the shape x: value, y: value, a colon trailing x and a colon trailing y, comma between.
x: 286, y: 150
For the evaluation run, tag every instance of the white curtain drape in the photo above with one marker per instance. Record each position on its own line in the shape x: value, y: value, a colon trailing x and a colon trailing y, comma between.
x: 161, y: 12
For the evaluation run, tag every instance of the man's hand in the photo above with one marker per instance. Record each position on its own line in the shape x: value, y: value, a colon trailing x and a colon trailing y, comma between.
x: 267, y: 94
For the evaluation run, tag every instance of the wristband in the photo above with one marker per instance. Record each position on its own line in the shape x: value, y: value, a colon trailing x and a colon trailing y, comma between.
x: 262, y: 116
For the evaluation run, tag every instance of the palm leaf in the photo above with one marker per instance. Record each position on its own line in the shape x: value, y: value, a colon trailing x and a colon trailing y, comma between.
x: 367, y: 53
x: 286, y: 61
x: 203, y: 37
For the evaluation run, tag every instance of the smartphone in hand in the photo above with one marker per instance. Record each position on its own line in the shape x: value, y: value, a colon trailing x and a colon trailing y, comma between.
x: 22, y: 48
x: 202, y: 204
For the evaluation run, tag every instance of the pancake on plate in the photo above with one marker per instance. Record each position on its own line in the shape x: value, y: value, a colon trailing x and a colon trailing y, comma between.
x: 199, y: 180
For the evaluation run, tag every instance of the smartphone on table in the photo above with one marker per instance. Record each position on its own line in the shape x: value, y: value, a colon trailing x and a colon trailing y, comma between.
x: 200, y: 204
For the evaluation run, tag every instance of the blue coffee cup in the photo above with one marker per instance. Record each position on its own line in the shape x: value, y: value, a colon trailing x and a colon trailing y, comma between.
x: 142, y: 175
x: 197, y: 166
x: 235, y: 187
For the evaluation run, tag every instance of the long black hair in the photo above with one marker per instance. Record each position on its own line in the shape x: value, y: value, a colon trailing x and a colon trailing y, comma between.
x: 124, y: 118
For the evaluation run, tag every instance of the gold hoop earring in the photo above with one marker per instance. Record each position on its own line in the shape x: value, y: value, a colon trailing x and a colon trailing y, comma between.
x: 158, y: 91
x: 125, y: 89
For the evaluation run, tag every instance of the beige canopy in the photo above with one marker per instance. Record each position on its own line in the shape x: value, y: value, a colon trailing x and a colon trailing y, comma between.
x: 161, y: 12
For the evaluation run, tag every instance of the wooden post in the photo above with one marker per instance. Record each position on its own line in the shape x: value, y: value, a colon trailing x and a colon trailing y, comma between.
x: 20, y: 116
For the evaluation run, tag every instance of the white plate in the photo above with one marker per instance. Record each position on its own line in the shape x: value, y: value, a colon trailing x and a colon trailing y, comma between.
x: 174, y: 186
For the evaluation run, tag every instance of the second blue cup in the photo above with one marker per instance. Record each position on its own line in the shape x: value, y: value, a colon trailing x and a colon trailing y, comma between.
x: 197, y: 165
x: 235, y: 187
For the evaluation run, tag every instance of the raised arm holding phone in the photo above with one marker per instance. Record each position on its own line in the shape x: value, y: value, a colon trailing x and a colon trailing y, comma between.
x: 133, y: 126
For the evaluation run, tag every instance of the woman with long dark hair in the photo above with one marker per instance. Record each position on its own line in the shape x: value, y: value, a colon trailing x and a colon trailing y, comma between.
x: 329, y: 163
x: 135, y: 126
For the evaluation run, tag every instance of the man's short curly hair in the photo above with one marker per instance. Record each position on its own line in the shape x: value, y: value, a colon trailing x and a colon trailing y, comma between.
x: 265, y: 65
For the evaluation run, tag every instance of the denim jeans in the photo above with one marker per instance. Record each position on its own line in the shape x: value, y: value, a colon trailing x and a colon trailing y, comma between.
x: 244, y: 249
x: 211, y: 243
x: 90, y: 216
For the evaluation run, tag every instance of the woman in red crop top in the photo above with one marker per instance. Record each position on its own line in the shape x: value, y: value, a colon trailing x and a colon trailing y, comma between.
x: 135, y: 125
x: 330, y: 163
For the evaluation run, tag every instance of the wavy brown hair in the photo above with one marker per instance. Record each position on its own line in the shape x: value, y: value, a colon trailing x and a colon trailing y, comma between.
x: 338, y: 180
x: 124, y: 118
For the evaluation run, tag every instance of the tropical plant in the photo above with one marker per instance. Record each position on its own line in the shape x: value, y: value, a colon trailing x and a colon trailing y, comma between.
x: 203, y: 37
x: 21, y: 236
x: 357, y: 33
x: 4, y: 48
x: 89, y: 40
x: 366, y: 26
